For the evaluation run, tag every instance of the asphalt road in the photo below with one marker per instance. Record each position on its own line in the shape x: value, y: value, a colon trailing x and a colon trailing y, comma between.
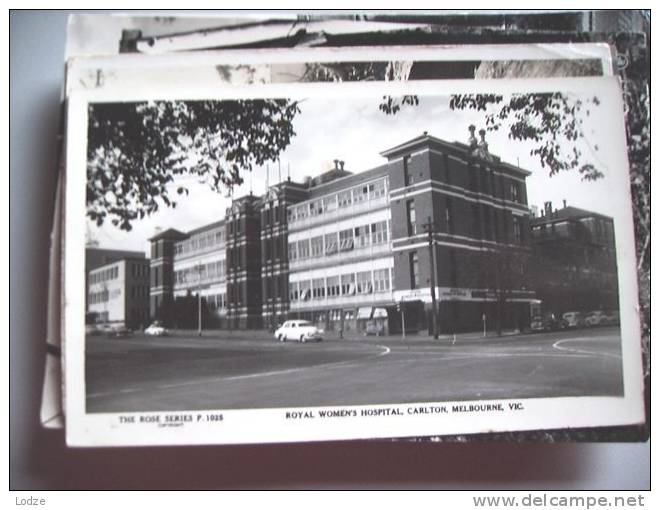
x: 188, y: 373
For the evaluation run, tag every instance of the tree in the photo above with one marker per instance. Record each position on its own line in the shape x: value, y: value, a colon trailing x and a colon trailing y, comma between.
x: 553, y: 121
x: 136, y: 151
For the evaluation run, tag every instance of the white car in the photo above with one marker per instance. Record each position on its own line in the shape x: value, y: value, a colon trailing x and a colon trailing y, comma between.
x: 155, y: 330
x: 301, y: 331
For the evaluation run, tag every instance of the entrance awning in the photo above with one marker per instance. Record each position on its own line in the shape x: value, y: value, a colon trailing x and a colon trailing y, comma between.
x: 380, y: 313
x: 364, y: 312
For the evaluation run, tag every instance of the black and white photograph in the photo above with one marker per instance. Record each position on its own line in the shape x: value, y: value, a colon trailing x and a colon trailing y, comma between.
x: 351, y: 260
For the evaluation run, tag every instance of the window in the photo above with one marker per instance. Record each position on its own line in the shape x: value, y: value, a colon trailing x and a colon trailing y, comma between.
x: 344, y: 198
x: 293, y: 291
x: 330, y: 203
x: 347, y: 284
x: 379, y: 232
x: 414, y: 269
x: 318, y: 288
x: 316, y: 246
x: 476, y: 221
x: 453, y: 274
x: 331, y: 244
x: 487, y: 224
x: 316, y: 208
x: 360, y: 194
x: 515, y: 191
x: 333, y: 286
x: 449, y: 216
x: 362, y: 236
x: 445, y: 160
x: 364, y: 285
x: 410, y: 215
x: 303, y: 249
x: 473, y: 177
x: 407, y: 173
x: 377, y: 190
x: 517, y: 229
x: 346, y: 240
x: 381, y: 280
x: 305, y: 290
x: 293, y: 251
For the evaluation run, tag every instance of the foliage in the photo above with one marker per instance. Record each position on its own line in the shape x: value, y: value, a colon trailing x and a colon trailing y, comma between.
x: 553, y: 121
x: 136, y: 150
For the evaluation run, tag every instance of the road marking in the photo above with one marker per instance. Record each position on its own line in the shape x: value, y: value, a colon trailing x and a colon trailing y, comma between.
x: 385, y: 350
x: 556, y: 345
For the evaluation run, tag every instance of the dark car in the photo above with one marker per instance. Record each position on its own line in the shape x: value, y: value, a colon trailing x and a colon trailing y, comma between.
x: 548, y: 322
x: 119, y: 332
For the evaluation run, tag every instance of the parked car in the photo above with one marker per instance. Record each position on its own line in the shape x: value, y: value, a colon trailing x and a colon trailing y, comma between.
x: 613, y: 318
x: 596, y: 318
x: 574, y: 319
x: 155, y: 329
x: 547, y: 322
x: 302, y: 331
x: 120, y: 332
x: 374, y: 328
x: 92, y: 330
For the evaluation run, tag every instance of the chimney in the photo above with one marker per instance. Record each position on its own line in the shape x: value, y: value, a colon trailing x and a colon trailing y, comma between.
x: 341, y: 164
x: 482, y: 143
x: 426, y: 133
x: 548, y: 209
x: 564, y: 203
x: 336, y: 162
x: 472, y: 140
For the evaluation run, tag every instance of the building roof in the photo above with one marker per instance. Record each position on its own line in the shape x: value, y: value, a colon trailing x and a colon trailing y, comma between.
x: 458, y: 148
x: 141, y: 260
x: 170, y: 233
x: 567, y: 213
x: 209, y: 226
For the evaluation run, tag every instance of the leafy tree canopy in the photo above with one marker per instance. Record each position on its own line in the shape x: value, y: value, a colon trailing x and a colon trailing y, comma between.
x: 553, y: 121
x: 136, y: 150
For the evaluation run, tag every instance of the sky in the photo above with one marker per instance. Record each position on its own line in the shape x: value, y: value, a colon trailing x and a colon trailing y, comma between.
x: 356, y: 131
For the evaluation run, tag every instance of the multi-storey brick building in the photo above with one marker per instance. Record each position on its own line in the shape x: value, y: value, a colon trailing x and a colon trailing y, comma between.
x: 347, y: 249
x: 574, y: 263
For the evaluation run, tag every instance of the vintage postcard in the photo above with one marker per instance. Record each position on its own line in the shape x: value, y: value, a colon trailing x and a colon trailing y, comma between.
x: 304, y: 65
x: 319, y: 261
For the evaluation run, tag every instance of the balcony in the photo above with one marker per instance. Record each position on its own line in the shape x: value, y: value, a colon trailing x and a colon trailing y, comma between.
x: 339, y: 213
x: 342, y: 256
x: 342, y: 301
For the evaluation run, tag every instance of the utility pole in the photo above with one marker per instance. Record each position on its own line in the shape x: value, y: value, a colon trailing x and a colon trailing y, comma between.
x: 429, y: 227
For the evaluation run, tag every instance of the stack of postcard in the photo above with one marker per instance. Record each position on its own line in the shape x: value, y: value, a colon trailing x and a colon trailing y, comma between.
x: 303, y: 228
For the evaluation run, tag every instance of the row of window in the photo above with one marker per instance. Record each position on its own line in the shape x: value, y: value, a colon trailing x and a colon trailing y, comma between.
x: 202, y: 272
x: 331, y: 203
x: 481, y: 180
x: 486, y: 223
x: 200, y: 242
x: 103, y: 276
x: 344, y: 240
x: 139, y: 291
x: 362, y: 282
x: 99, y: 297
x: 140, y: 270
x: 215, y: 301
